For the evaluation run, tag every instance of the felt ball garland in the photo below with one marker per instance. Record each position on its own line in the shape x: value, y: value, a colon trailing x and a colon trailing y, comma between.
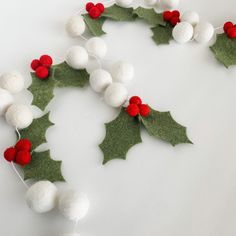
x: 43, y: 196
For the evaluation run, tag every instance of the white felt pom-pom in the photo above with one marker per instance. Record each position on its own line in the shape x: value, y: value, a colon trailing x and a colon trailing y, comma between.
x: 19, y: 116
x: 77, y: 57
x: 203, y: 32
x: 75, y: 26
x: 116, y: 94
x: 96, y: 47
x: 124, y: 3
x: 6, y: 100
x: 151, y: 2
x: 99, y: 80
x: 191, y: 17
x: 183, y: 32
x: 169, y: 4
x: 122, y: 72
x: 73, y: 205
x: 42, y: 196
x: 13, y: 82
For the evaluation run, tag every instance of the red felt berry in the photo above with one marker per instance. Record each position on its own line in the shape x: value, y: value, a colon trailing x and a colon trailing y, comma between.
x: 167, y: 15
x: 100, y: 6
x: 42, y: 72
x: 174, y: 20
x: 89, y: 5
x: 135, y: 100
x: 227, y: 26
x: 10, y: 154
x: 132, y: 109
x: 176, y: 13
x: 46, y: 61
x: 23, y: 145
x: 232, y: 32
x: 144, y: 110
x: 35, y: 64
x: 23, y: 158
x: 94, y: 12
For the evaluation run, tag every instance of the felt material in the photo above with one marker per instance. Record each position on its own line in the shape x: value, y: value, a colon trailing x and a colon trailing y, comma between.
x: 121, y: 134
x: 36, y: 131
x: 115, y: 94
x: 42, y: 91
x: 162, y: 125
x: 73, y: 205
x: 42, y: 167
x: 19, y: 116
x: 150, y: 16
x: 94, y: 26
x: 224, y: 50
x: 182, y: 32
x: 12, y: 81
x: 77, y: 57
x: 75, y: 26
x: 66, y: 76
x: 203, y: 32
x: 42, y: 196
x: 162, y: 34
x: 61, y: 75
x: 23, y: 158
x: 118, y: 13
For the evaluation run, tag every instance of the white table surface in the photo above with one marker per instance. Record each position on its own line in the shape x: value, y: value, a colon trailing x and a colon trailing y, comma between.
x: 189, y: 190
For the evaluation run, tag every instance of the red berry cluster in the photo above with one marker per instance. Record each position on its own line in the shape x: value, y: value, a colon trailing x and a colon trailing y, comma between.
x: 173, y: 17
x: 20, y: 154
x: 136, y: 107
x: 42, y: 66
x: 230, y: 29
x: 95, y: 11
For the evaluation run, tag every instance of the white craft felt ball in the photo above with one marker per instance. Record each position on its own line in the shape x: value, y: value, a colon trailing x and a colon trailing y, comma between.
x: 183, y: 32
x: 116, y: 94
x: 73, y: 205
x: 42, y: 196
x: 19, y: 116
x: 13, y: 82
x: 151, y: 2
x: 75, y: 26
x: 122, y: 72
x: 77, y: 57
x: 6, y: 100
x: 191, y: 17
x: 124, y: 3
x: 169, y: 4
x: 203, y: 32
x: 99, y: 80
x: 96, y: 47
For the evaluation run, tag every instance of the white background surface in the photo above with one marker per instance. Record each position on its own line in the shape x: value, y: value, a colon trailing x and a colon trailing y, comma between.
x: 159, y: 190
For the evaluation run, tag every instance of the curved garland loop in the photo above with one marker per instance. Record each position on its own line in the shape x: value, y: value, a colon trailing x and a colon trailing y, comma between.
x: 123, y: 132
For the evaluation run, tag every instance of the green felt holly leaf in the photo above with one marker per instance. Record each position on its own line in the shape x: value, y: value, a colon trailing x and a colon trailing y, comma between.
x: 94, y: 25
x: 36, y: 131
x: 42, y: 167
x: 65, y: 76
x: 162, y: 125
x: 150, y: 16
x: 225, y: 50
x: 42, y: 90
x: 118, y: 13
x: 162, y: 34
x: 121, y: 134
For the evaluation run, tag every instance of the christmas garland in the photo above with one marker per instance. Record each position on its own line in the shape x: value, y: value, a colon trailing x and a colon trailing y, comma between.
x: 124, y: 131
